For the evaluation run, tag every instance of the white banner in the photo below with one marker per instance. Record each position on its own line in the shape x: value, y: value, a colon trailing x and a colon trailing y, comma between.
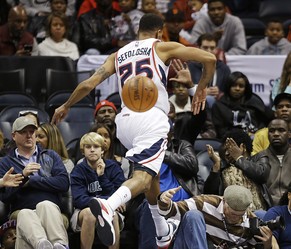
x: 261, y: 70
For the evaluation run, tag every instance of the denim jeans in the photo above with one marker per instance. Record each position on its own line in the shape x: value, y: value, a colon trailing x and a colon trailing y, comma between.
x: 192, y: 232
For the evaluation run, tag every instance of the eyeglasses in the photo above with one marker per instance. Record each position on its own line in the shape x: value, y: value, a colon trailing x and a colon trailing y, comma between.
x: 26, y: 112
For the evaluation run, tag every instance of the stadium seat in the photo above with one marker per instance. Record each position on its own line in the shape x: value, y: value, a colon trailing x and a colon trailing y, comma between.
x: 10, y: 113
x: 16, y: 98
x: 78, y: 122
x: 204, y: 164
x: 12, y: 80
x: 200, y: 144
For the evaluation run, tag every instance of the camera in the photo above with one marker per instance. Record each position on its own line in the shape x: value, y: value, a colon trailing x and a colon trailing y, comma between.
x: 255, y: 223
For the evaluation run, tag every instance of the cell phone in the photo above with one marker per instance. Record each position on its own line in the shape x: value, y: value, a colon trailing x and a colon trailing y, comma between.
x: 27, y: 47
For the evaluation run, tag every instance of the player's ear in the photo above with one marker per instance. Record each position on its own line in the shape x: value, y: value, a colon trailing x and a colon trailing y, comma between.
x: 159, y: 34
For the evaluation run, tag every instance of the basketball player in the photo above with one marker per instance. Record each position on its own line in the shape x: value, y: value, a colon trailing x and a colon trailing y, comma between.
x: 144, y: 134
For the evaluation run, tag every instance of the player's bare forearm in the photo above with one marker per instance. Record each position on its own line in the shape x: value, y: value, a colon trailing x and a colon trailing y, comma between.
x: 207, y: 74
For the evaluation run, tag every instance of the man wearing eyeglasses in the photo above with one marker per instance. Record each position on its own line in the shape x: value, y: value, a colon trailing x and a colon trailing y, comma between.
x: 210, y: 221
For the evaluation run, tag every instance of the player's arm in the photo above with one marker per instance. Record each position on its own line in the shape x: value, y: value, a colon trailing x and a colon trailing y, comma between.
x: 170, y: 50
x: 85, y: 87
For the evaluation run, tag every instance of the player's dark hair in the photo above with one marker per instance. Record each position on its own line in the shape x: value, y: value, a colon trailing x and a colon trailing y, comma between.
x: 212, y: 1
x: 151, y: 22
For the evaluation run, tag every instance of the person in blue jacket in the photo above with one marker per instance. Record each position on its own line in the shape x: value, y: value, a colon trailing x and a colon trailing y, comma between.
x: 93, y: 177
x: 36, y: 202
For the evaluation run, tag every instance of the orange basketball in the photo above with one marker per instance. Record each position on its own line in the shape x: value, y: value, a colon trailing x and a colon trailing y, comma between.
x: 139, y: 93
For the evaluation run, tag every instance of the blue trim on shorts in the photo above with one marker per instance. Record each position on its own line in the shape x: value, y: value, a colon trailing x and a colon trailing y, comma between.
x: 147, y: 153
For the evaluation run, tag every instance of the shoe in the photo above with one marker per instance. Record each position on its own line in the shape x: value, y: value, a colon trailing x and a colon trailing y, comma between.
x: 44, y: 244
x: 60, y: 246
x: 104, y: 216
x: 164, y: 242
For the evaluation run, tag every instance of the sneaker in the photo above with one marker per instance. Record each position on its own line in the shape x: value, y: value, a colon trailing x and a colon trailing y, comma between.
x: 104, y: 216
x: 44, y: 244
x: 60, y: 246
x: 164, y: 242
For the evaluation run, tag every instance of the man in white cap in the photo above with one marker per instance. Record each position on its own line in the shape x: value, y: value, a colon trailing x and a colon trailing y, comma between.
x: 210, y: 221
x: 36, y: 202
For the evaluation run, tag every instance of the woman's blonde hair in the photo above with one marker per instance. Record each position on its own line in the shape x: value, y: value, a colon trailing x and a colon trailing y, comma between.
x: 55, y: 140
x: 91, y: 138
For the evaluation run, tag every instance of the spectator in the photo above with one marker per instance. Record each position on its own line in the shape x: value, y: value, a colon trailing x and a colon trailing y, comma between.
x: 42, y: 8
x: 216, y: 87
x: 211, y: 221
x: 125, y: 25
x: 105, y: 112
x: 93, y: 177
x: 228, y: 28
x: 284, y: 210
x: 36, y: 202
x: 279, y: 154
x: 38, y: 24
x: 56, y: 43
x: 49, y: 137
x: 103, y: 6
x: 8, y: 234
x: 283, y: 85
x: 274, y: 43
x: 92, y: 31
x: 239, y: 107
x: 282, y: 105
x: 150, y: 6
x: 185, y: 120
x: 30, y: 114
x: 235, y: 166
x: 162, y: 5
x: 14, y: 39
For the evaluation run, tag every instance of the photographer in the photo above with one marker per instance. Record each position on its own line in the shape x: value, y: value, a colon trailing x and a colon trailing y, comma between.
x: 284, y: 210
x: 211, y: 221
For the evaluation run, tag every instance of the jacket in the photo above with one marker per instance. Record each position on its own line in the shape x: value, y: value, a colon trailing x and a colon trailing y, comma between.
x: 181, y: 158
x: 48, y: 184
x: 86, y: 184
x: 257, y: 168
x: 280, y: 174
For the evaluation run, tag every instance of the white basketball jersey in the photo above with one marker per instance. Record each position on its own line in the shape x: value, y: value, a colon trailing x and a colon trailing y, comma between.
x: 140, y: 58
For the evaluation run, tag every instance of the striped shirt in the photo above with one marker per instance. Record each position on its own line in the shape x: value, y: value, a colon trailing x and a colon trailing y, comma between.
x: 217, y: 229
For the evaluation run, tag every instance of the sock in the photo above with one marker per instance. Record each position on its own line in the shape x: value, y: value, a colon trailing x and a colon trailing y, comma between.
x: 161, y: 224
x: 120, y: 196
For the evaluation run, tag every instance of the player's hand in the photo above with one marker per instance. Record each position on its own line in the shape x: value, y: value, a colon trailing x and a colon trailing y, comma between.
x: 183, y: 74
x: 11, y: 180
x: 60, y: 113
x: 167, y: 196
x: 199, y: 100
x: 30, y: 169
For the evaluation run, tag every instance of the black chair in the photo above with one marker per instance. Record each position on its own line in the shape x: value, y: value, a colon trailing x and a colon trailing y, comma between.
x: 60, y: 97
x: 274, y: 9
x: 200, y: 144
x: 204, y: 163
x: 254, y: 27
x: 12, y: 80
x: 10, y: 113
x: 16, y: 98
x: 35, y: 70
x: 78, y: 122
x: 115, y: 99
x: 59, y: 80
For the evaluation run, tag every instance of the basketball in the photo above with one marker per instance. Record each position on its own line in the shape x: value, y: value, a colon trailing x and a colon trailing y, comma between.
x: 139, y: 94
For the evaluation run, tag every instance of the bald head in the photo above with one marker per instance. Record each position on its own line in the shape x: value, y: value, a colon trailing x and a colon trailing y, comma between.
x: 17, y: 21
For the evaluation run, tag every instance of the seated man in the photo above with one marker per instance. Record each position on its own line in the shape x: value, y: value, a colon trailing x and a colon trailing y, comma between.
x: 36, y: 202
x: 219, y: 221
x: 8, y: 234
